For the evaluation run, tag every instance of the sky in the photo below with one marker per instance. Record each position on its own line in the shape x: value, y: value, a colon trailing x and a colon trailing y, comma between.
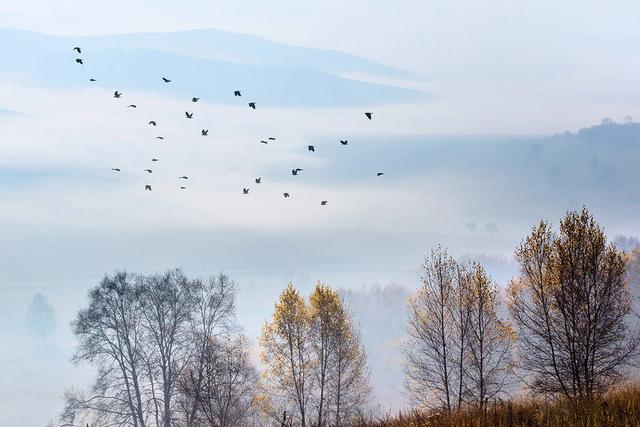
x: 478, y: 110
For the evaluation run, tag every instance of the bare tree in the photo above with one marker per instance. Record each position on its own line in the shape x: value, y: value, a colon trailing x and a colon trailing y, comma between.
x: 571, y: 308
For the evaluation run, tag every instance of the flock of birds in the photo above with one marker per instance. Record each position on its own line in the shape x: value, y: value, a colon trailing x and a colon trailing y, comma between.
x: 205, y: 132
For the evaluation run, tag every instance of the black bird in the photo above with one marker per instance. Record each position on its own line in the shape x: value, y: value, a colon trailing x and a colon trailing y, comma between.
x: 205, y: 132
x: 323, y: 203
x: 153, y: 123
x: 311, y: 148
x: 166, y: 80
x: 295, y: 171
x: 117, y: 94
x: 344, y: 142
x: 271, y: 138
x: 188, y: 114
x: 159, y: 137
x: 264, y: 142
x: 252, y: 105
x: 79, y: 61
x: 77, y: 49
x: 148, y: 170
x: 183, y: 188
x: 154, y: 160
x: 380, y: 174
x: 92, y: 80
x: 132, y: 106
x: 195, y: 99
x: 236, y: 93
x: 286, y: 195
x: 258, y: 180
x: 115, y: 169
x: 245, y: 191
x: 147, y: 187
x: 183, y: 177
x: 369, y: 115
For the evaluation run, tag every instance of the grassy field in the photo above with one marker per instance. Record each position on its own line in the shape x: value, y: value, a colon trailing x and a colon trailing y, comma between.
x: 618, y: 408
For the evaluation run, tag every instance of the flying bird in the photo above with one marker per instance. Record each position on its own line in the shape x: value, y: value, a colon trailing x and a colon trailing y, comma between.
x: 205, y: 132
x: 264, y: 142
x: 236, y: 93
x: 79, y: 61
x: 148, y: 170
x: 369, y: 115
x: 323, y: 203
x: 166, y: 80
x: 117, y: 94
x: 295, y: 171
x: 258, y: 180
x: 147, y: 187
x: 195, y: 99
x: 311, y: 148
x: 153, y: 123
x: 252, y: 105
x: 380, y: 174
x: 115, y: 169
x: 183, y: 188
x: 271, y: 138
x: 245, y: 191
x: 159, y: 137
x: 77, y: 49
x: 154, y: 160
x: 344, y: 142
x: 183, y: 177
x: 188, y: 114
x: 92, y: 80
x: 132, y: 106
x: 286, y: 195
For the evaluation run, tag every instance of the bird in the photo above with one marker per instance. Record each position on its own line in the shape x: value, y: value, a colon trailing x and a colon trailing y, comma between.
x: 252, y: 105
x: 183, y: 188
x: 79, y: 61
x: 92, y: 80
x: 205, y: 132
x: 159, y: 137
x: 115, y: 169
x: 271, y: 138
x: 258, y: 180
x: 264, y: 142
x: 245, y: 191
x: 323, y: 203
x: 147, y: 187
x: 77, y: 49
x: 117, y: 94
x: 195, y: 99
x: 188, y: 114
x: 132, y: 106
x: 153, y: 123
x: 166, y: 80
x: 148, y: 170
x: 344, y: 142
x: 311, y: 148
x: 286, y: 195
x: 236, y: 93
x: 380, y: 174
x: 369, y: 115
x: 183, y: 177
x: 154, y: 160
x: 295, y: 171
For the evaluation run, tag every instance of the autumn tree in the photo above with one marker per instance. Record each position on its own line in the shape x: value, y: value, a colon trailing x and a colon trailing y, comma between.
x: 571, y: 308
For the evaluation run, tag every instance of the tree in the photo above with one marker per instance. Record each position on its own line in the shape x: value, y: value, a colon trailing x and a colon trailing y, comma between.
x: 430, y: 360
x: 41, y: 317
x: 571, y: 309
x: 489, y: 341
x: 287, y: 355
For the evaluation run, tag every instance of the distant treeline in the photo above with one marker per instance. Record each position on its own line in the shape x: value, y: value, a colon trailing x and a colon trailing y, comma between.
x: 168, y: 352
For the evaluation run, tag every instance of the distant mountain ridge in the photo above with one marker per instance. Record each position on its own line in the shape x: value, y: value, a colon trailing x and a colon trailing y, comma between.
x: 209, y: 63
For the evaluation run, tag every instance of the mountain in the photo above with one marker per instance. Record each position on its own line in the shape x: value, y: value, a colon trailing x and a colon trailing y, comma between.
x: 211, y: 64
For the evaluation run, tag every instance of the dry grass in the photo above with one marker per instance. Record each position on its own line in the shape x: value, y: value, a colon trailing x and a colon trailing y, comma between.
x: 616, y: 409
